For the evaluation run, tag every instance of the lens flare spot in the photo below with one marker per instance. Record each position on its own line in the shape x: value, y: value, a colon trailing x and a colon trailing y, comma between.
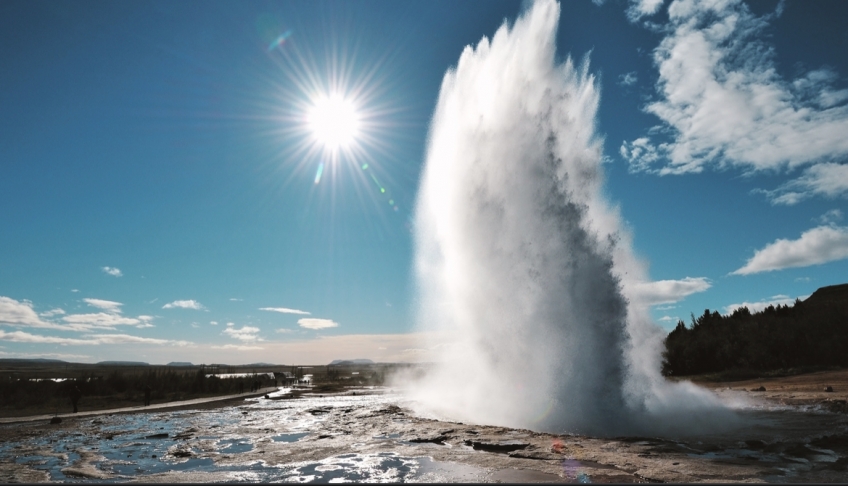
x: 280, y: 40
x: 318, y: 173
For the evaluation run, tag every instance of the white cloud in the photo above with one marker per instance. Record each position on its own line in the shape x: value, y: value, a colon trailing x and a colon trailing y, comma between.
x: 25, y: 337
x: 758, y: 306
x: 311, y: 323
x: 284, y: 310
x: 184, y: 304
x: 642, y: 8
x: 107, y: 305
x: 74, y: 290
x: 90, y: 340
x: 669, y: 291
x: 98, y: 321
x: 831, y: 216
x: 816, y: 246
x: 284, y: 330
x: 214, y: 323
x: 52, y: 313
x: 115, y: 272
x: 235, y: 299
x: 722, y: 102
x: 628, y: 79
x: 237, y: 347
x: 15, y: 313
x: 245, y: 334
x: 827, y: 179
x: 195, y: 325
x: 669, y: 319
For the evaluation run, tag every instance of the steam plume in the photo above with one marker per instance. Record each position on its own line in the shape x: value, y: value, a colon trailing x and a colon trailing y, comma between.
x: 519, y: 257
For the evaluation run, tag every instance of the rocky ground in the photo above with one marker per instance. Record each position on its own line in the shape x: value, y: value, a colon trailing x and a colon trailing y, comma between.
x: 371, y: 434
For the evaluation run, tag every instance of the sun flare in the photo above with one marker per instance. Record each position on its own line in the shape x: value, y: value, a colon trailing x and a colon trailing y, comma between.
x: 334, y: 121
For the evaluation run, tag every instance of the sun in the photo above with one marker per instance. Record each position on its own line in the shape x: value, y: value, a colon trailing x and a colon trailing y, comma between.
x: 334, y: 122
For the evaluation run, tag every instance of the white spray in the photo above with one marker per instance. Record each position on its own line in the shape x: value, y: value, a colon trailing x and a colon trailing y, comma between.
x: 521, y: 262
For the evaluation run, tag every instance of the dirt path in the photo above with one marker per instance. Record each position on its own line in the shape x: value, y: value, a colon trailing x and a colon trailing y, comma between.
x: 193, y: 404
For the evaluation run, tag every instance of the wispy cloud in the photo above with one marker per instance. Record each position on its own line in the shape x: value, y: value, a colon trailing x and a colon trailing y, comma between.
x: 760, y: 305
x: 816, y: 246
x: 315, y: 324
x: 669, y: 291
x: 52, y: 313
x: 184, y: 304
x: 107, y: 305
x: 723, y: 104
x: 826, y: 179
x: 101, y: 321
x: 284, y: 310
x: 237, y: 347
x: 90, y: 340
x: 628, y: 79
x: 115, y: 272
x: 245, y: 334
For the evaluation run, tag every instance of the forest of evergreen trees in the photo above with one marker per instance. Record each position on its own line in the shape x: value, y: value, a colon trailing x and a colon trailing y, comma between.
x: 811, y: 333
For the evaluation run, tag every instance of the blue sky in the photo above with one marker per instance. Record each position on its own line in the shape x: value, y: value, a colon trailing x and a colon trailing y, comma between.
x: 159, y: 197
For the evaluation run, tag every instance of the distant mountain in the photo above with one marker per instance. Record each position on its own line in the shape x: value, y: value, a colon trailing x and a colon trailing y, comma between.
x: 179, y: 363
x: 349, y: 362
x: 123, y: 363
x: 260, y: 364
x: 32, y: 360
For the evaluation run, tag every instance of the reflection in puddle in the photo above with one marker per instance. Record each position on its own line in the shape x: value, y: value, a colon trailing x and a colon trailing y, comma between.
x: 234, y: 446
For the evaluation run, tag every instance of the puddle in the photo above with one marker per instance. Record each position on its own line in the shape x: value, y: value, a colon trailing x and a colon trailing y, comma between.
x: 234, y: 446
x: 290, y: 437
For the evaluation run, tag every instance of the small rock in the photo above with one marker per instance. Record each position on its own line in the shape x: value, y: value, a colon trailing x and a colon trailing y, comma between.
x: 828, y: 389
x: 761, y: 388
x: 157, y: 436
x: 56, y: 420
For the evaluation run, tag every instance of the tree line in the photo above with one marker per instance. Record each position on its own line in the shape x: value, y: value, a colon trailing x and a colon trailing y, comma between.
x: 121, y: 386
x: 810, y: 333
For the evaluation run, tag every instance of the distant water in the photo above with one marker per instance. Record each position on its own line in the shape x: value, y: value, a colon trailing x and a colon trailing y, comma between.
x: 524, y: 270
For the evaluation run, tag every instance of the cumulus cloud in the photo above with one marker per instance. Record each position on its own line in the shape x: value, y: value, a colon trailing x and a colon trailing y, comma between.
x: 245, y: 334
x: 816, y: 246
x: 669, y: 291
x: 642, y: 8
x: 184, y: 304
x: 107, y: 305
x: 760, y: 305
x: 723, y: 104
x: 115, y: 272
x: 311, y: 323
x: 284, y: 310
x: 827, y: 179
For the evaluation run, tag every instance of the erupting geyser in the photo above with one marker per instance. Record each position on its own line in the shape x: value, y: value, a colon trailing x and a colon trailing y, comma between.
x: 522, y: 265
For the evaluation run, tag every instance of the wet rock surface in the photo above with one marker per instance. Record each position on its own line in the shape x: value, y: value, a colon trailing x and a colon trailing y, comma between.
x: 376, y: 436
